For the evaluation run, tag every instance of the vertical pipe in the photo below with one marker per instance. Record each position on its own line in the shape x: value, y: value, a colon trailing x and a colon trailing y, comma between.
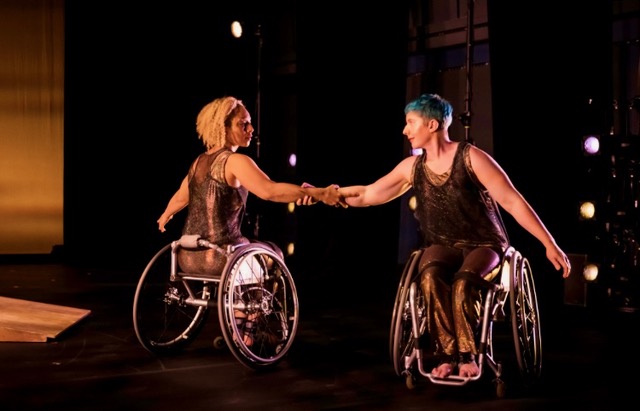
x: 466, y: 116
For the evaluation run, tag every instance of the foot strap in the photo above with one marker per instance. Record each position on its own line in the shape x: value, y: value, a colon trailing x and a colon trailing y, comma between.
x: 466, y: 358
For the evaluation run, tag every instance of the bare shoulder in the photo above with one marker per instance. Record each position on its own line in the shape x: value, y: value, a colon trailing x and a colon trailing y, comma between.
x: 479, y: 156
x: 239, y: 160
x: 406, y: 165
x: 475, y: 150
x: 410, y: 160
x: 403, y: 171
x: 484, y: 165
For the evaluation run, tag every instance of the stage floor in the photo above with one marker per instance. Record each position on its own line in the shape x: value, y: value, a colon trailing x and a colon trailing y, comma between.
x: 339, y: 360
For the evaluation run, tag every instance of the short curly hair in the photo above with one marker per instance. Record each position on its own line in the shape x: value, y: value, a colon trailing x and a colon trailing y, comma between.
x: 214, y: 118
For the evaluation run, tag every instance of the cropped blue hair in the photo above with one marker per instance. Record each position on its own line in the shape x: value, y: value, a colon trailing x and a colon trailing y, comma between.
x: 432, y: 106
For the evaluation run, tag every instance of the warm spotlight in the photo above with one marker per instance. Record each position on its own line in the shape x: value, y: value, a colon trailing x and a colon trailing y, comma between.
x: 236, y: 29
x: 290, y: 248
x: 413, y: 202
x: 590, y: 272
x: 291, y: 207
x: 587, y: 210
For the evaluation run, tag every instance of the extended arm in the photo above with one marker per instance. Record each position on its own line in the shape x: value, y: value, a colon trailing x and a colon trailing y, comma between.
x: 383, y: 190
x: 178, y: 201
x: 502, y: 190
x: 242, y: 170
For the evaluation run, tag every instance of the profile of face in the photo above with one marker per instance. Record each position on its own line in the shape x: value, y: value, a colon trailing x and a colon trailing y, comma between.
x: 416, y: 128
x: 240, y: 132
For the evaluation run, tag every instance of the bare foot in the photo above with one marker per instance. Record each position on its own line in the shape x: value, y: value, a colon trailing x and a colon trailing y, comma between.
x: 246, y: 324
x: 247, y: 339
x: 247, y: 333
x: 443, y: 370
x: 468, y: 369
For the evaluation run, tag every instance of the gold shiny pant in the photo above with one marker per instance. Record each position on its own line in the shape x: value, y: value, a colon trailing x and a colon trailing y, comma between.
x: 452, y: 301
x: 206, y: 262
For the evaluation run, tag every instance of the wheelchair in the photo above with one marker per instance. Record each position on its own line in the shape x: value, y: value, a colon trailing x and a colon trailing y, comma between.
x: 513, y: 283
x: 170, y: 307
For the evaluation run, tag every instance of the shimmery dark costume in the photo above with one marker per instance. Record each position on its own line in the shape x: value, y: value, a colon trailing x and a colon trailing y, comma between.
x: 462, y: 234
x: 215, y: 212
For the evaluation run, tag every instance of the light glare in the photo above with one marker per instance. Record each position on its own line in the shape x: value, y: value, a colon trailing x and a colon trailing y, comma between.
x: 236, y: 29
x: 413, y: 203
x: 591, y: 145
x: 590, y: 272
x: 587, y: 210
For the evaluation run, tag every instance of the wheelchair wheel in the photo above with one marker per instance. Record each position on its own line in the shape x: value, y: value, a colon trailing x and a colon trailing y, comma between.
x: 400, y: 338
x: 257, y: 289
x: 525, y: 321
x: 163, y: 322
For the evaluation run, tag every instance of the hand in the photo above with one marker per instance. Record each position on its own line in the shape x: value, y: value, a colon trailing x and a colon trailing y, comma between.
x: 162, y: 221
x: 559, y: 260
x: 328, y: 195
x: 332, y: 196
x: 349, y: 192
x: 306, y: 200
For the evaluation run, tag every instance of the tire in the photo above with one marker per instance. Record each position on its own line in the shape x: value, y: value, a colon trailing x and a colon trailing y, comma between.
x: 257, y: 288
x: 163, y: 321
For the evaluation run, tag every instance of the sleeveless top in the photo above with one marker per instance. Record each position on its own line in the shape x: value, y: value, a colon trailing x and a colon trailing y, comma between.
x: 456, y: 210
x: 215, y: 212
x: 215, y: 209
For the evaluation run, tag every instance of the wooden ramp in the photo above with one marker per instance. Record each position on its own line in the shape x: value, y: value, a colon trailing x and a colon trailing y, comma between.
x: 28, y: 321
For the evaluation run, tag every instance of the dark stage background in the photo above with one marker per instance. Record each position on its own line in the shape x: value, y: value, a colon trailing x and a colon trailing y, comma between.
x: 332, y: 89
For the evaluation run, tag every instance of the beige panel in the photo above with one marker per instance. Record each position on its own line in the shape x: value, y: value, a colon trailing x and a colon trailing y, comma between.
x: 31, y: 126
x: 29, y: 321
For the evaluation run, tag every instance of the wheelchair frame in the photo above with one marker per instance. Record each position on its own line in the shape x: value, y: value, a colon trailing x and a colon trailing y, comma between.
x: 170, y: 307
x: 514, y: 283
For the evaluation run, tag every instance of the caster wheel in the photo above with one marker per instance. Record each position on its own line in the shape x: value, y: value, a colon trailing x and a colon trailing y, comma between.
x: 218, y: 343
x: 500, y: 388
x: 410, y: 381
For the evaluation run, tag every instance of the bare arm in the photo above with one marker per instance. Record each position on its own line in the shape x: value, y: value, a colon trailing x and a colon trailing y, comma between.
x: 178, y: 201
x: 383, y: 190
x: 502, y: 190
x: 242, y: 170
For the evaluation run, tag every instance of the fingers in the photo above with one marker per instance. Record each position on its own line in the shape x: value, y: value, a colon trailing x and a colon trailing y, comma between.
x: 565, y: 264
x: 562, y: 263
x: 330, y: 196
x: 346, y: 193
x: 342, y: 203
x: 306, y: 201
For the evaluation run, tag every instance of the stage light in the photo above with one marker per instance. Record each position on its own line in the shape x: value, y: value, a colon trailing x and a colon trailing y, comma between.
x: 291, y: 207
x: 293, y: 160
x: 591, y: 145
x: 413, y: 203
x: 236, y: 29
x: 587, y: 210
x: 290, y: 248
x: 590, y: 272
